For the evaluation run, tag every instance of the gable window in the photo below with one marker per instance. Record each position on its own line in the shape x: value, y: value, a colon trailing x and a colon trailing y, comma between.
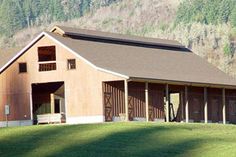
x: 46, y: 53
x: 22, y: 67
x: 71, y: 64
x: 47, y: 58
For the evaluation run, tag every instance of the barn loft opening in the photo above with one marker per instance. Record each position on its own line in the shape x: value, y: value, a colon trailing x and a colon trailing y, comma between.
x: 48, y: 102
x: 47, y: 58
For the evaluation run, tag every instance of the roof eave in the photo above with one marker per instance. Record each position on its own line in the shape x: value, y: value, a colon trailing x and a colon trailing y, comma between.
x: 175, y: 82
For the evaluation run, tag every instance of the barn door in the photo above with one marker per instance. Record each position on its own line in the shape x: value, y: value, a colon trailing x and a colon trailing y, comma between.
x: 108, y: 106
x: 131, y: 107
x: 215, y: 110
x: 151, y: 108
x: 196, y: 109
x: 232, y: 111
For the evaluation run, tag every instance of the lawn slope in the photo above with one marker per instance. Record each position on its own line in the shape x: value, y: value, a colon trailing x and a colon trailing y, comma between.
x: 119, y: 139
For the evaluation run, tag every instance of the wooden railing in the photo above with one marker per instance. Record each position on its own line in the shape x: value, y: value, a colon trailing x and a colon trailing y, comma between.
x: 47, y: 66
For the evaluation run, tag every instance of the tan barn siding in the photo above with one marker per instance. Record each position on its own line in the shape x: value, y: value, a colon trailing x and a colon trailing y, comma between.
x: 83, y: 86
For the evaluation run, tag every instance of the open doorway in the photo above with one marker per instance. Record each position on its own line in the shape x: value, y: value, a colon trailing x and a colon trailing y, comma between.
x: 48, y: 102
x: 176, y: 108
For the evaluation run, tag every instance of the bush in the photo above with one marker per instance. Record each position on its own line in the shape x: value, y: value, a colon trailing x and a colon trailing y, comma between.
x: 228, y: 49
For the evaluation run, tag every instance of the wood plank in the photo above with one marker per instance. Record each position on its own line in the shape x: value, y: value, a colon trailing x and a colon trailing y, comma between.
x: 223, y: 108
x: 205, y: 105
x: 186, y: 105
x: 126, y: 101
x: 167, y: 103
x: 146, y: 101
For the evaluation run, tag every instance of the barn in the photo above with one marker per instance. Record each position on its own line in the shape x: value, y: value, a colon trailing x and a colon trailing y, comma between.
x: 69, y: 75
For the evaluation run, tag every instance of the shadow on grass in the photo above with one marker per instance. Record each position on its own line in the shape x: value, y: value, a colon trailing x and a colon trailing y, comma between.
x: 98, y: 140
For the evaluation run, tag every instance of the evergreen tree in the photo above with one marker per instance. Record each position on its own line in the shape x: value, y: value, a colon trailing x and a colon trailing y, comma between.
x: 11, y: 17
x: 233, y: 17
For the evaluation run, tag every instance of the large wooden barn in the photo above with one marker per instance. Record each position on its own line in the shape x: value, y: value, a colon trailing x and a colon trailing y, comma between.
x: 89, y: 76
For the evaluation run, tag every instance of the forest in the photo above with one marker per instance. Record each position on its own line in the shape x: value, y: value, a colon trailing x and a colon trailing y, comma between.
x: 18, y: 14
x: 207, y: 12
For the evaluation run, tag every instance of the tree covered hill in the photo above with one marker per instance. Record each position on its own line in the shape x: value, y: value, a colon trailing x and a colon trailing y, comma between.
x: 18, y: 14
x: 206, y: 27
x: 207, y: 12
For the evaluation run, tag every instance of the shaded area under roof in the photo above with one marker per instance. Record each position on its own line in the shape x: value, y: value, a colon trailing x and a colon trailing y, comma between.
x: 148, y: 63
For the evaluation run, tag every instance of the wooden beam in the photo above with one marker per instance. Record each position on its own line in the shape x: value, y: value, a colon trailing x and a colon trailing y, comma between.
x: 52, y: 97
x: 146, y: 101
x: 182, y: 105
x: 167, y: 104
x: 223, y: 109
x: 126, y: 101
x: 181, y: 83
x: 31, y: 105
x: 205, y: 105
x: 186, y: 105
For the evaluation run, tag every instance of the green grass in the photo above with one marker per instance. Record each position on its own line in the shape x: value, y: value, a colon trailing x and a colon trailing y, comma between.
x: 119, y: 139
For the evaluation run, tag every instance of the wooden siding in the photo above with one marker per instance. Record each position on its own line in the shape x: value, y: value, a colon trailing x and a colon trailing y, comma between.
x: 136, y: 100
x: 196, y: 103
x: 113, y: 95
x: 231, y: 106
x: 156, y: 101
x: 215, y: 104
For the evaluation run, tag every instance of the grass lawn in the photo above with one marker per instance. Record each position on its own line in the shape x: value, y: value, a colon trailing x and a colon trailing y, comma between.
x: 119, y: 139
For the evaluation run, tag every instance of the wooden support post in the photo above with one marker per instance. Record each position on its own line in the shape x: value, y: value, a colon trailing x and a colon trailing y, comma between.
x: 223, y: 108
x: 52, y: 97
x: 186, y: 105
x: 182, y: 105
x: 167, y: 104
x: 205, y: 106
x: 31, y: 105
x: 146, y: 101
x: 126, y: 101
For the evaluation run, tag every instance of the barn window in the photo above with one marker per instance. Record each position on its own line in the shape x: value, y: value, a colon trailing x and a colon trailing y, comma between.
x: 47, y: 58
x: 71, y: 64
x: 47, y: 53
x: 22, y: 67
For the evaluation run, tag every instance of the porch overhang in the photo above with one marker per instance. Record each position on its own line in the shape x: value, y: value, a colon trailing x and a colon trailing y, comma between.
x: 184, y: 83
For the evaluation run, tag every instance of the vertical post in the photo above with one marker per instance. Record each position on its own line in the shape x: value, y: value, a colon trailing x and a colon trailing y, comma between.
x: 223, y: 109
x: 31, y: 106
x: 146, y: 101
x: 167, y: 104
x: 205, y: 105
x: 182, y: 105
x: 126, y: 101
x: 186, y: 105
x: 52, y: 102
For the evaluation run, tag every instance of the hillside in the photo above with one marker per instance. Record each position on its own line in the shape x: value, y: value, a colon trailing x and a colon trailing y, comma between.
x: 210, y: 38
